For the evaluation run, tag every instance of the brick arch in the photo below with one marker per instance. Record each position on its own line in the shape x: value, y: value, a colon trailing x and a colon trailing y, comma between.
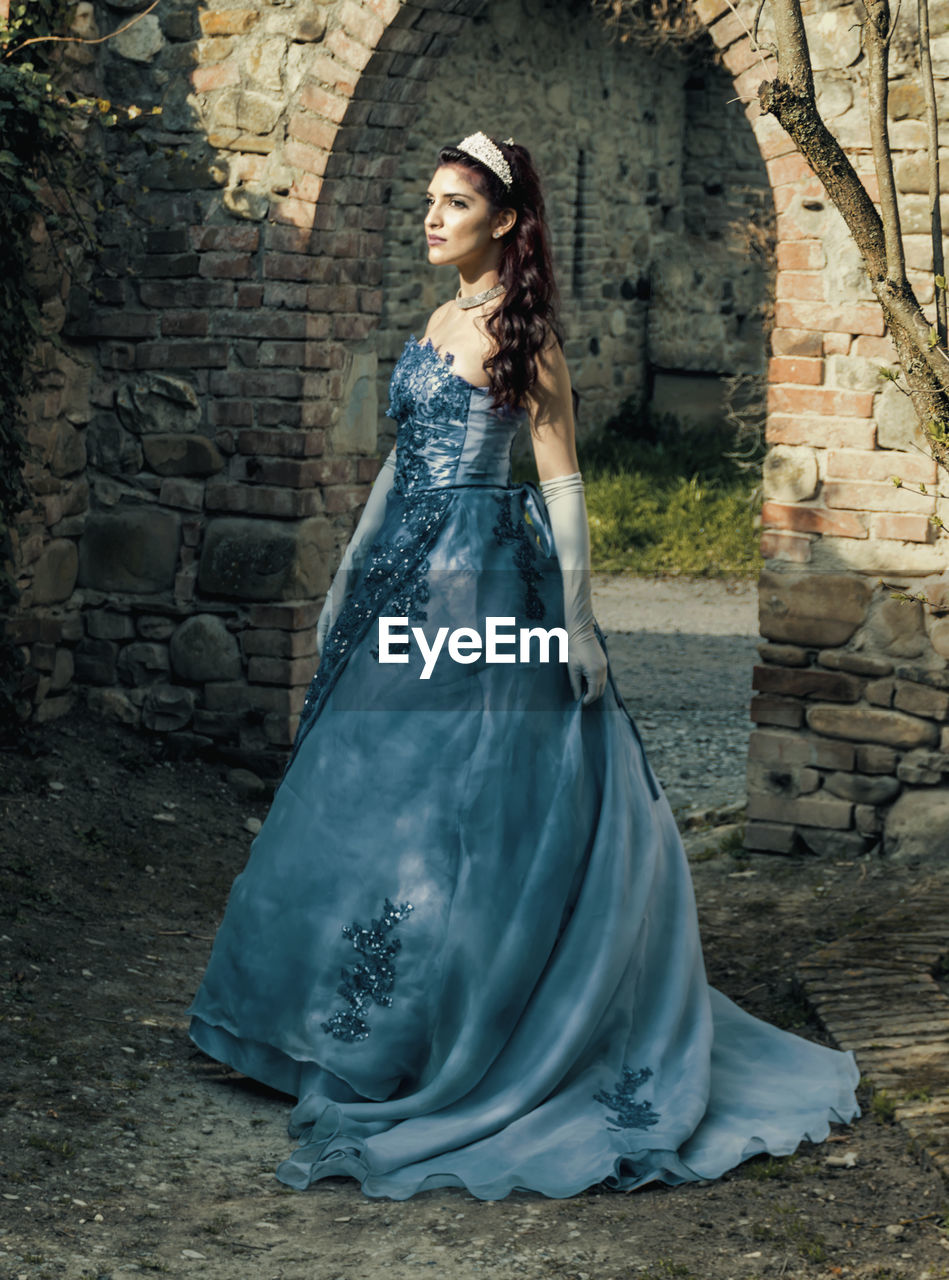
x: 255, y: 297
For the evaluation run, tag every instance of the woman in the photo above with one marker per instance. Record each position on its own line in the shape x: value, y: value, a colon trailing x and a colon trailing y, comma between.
x: 466, y: 937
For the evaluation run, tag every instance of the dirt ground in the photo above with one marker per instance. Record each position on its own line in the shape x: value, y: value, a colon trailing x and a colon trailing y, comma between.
x: 126, y: 1152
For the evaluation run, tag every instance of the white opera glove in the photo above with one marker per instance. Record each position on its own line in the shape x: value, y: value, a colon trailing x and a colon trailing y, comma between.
x: 355, y: 554
x: 567, y: 511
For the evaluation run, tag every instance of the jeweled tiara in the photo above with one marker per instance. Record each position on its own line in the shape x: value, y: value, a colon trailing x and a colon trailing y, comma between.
x: 489, y: 154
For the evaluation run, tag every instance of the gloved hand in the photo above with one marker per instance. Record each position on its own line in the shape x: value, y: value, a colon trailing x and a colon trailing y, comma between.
x: 567, y: 511
x: 355, y: 554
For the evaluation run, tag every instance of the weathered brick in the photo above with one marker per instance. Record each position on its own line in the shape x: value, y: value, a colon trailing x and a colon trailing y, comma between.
x: 880, y: 464
x: 265, y: 383
x: 872, y: 496
x: 837, y: 344
x: 787, y: 712
x: 904, y: 528
x: 298, y: 213
x: 807, y: 683
x: 315, y: 98
x: 194, y: 294
x: 283, y: 444
x: 819, y: 316
x: 796, y: 342
x: 794, y: 547
x: 232, y: 239
x: 805, y: 285
x: 181, y: 355
x: 184, y: 324
x: 262, y: 500
x: 801, y: 519
x: 343, y: 498
x: 822, y: 400
x: 842, y: 433
x: 276, y: 643
x: 238, y: 324
x: 312, y: 131
x: 352, y: 52
x: 285, y: 617
x: 225, y: 266
x: 292, y: 473
x: 282, y: 671
x: 801, y: 255
x: 812, y: 810
x: 881, y: 349
x: 770, y: 837
x: 230, y: 413
x: 797, y: 369
x: 120, y: 324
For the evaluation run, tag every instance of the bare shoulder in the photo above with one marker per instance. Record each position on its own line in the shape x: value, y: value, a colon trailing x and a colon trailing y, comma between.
x: 436, y: 317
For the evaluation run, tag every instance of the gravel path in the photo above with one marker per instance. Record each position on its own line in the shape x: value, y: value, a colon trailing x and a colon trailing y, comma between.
x: 682, y: 650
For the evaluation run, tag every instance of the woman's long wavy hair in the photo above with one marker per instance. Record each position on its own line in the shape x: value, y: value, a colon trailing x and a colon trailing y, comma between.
x: 530, y: 307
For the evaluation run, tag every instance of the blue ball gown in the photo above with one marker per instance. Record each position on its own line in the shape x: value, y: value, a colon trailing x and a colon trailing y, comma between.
x: 466, y: 938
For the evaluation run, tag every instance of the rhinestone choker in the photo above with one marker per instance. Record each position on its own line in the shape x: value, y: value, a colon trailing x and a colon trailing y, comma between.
x: 477, y: 298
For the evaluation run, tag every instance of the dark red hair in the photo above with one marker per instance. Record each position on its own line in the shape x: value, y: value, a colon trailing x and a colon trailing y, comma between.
x: 529, y: 311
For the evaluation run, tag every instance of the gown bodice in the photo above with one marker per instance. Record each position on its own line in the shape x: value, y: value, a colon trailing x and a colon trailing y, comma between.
x: 450, y: 433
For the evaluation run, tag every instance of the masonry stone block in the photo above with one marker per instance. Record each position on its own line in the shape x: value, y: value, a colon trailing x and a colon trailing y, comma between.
x: 822, y: 609
x: 789, y: 473
x: 862, y: 790
x: 203, y: 649
x: 68, y: 450
x: 110, y: 447
x: 923, y: 768
x: 897, y: 627
x: 266, y: 559
x: 872, y: 724
x: 174, y: 454
x: 897, y: 424
x: 917, y: 826
x: 133, y: 549
x: 168, y: 707
x: 142, y: 662
x: 55, y: 572
x: 156, y: 403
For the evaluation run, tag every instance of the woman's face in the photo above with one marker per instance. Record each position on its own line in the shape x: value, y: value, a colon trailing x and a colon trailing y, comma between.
x: 459, y: 223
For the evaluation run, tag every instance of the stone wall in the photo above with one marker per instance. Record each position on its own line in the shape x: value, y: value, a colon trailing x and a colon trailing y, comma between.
x: 230, y: 420
x: 649, y: 203
x: 851, y: 751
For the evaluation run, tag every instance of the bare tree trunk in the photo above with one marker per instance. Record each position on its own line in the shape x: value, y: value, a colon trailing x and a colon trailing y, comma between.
x: 932, y: 130
x: 790, y: 98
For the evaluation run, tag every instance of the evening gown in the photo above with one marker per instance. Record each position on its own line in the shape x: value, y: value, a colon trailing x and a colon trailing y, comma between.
x: 466, y: 938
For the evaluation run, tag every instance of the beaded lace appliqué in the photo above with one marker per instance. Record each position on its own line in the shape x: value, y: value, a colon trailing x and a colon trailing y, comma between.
x: 424, y: 386
x: 525, y: 556
x: 629, y: 1114
x: 373, y: 978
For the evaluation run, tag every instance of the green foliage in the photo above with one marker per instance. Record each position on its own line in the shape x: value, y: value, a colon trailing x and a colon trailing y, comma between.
x: 883, y: 1106
x: 668, y: 498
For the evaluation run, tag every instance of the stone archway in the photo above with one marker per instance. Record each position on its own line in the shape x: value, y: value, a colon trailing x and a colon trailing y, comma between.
x: 230, y: 429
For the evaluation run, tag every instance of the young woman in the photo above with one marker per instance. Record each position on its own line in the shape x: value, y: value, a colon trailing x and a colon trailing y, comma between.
x: 466, y: 938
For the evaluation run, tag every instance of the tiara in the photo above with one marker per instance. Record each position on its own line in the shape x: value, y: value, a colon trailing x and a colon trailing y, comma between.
x: 480, y: 146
